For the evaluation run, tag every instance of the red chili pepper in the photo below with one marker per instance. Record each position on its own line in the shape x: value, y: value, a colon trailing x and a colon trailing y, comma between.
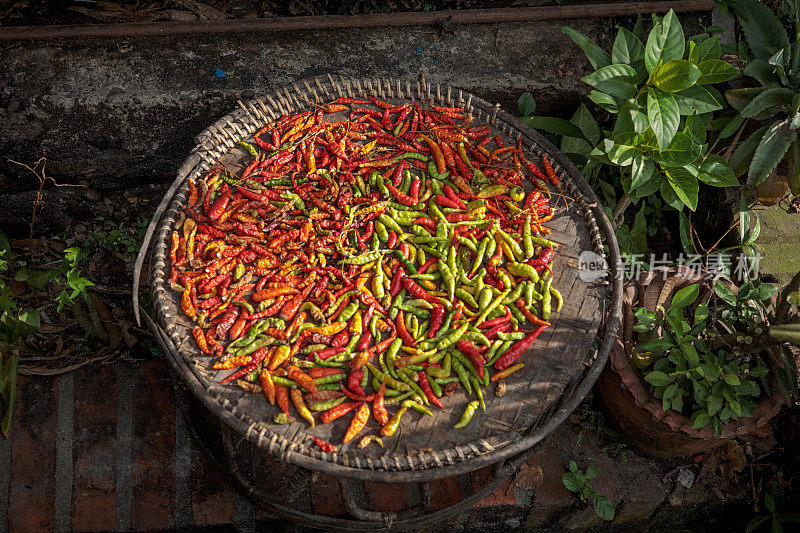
x: 338, y: 411
x: 548, y: 168
x: 353, y: 381
x: 402, y: 332
x: 468, y: 349
x: 378, y: 408
x: 426, y: 388
x: 417, y: 291
x: 325, y: 446
x: 437, y: 318
x: 516, y: 351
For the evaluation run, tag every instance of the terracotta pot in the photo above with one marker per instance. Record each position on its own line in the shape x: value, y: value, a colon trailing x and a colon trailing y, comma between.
x: 632, y: 408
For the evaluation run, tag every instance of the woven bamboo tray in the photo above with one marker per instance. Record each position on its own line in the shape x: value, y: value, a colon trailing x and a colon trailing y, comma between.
x: 559, y: 368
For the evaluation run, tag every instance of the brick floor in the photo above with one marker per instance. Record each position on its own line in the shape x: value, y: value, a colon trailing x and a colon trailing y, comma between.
x: 102, y: 449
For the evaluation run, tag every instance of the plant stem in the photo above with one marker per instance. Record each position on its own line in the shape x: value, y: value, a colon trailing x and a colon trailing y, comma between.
x: 619, y: 209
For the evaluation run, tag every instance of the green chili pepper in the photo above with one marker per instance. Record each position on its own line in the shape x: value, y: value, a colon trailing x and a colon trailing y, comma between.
x: 288, y: 383
x: 463, y: 375
x: 391, y: 426
x: 390, y: 381
x: 469, y: 412
x: 397, y: 398
x: 324, y: 406
x: 546, y: 298
x: 500, y: 351
x: 327, y: 362
x: 333, y: 378
x: 497, y: 301
x: 435, y: 387
x: 477, y: 336
x: 478, y: 392
x: 403, y: 374
x: 416, y: 407
x: 452, y: 338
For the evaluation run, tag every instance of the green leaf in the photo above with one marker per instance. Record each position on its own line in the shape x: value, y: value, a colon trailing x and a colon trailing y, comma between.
x: 638, y: 30
x: 598, y: 57
x: 714, y: 405
x: 717, y: 172
x: 629, y: 50
x: 684, y: 229
x: 763, y: 30
x: 685, y: 296
x: 626, y: 147
x: 696, y: 127
x: 616, y: 80
x: 739, y: 98
x: 691, y: 354
x: 585, y: 121
x: 603, y: 506
x: 642, y: 169
x: 756, y: 522
x: 731, y: 379
x: 526, y: 105
x: 715, y: 71
x: 685, y: 186
x: 657, y: 379
x: 709, y: 49
x: 662, y: 112
x: 701, y: 420
x: 665, y: 42
x: 13, y: 326
x: 572, y: 481
x: 769, y: 502
x: 680, y: 152
x: 701, y: 313
x: 731, y: 127
x: 767, y: 99
x: 742, y: 155
x: 592, y: 472
x: 675, y: 75
x: 770, y: 151
x: 762, y: 72
x: 698, y: 98
x: 605, y: 101
x: 723, y: 291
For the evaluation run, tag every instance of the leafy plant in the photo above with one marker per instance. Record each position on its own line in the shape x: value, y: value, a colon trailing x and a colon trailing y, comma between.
x: 777, y: 519
x: 14, y: 324
x: 774, y: 105
x: 660, y: 91
x: 697, y: 364
x: 122, y: 241
x: 70, y: 277
x: 578, y: 482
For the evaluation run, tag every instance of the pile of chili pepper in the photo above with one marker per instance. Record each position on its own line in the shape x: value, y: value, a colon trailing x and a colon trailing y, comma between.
x: 370, y: 255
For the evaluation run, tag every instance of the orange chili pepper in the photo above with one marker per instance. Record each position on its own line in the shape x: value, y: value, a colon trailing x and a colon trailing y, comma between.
x: 300, y: 405
x: 282, y: 398
x: 438, y: 156
x: 302, y: 379
x: 267, y: 385
x: 273, y: 292
x: 200, y: 338
x: 507, y: 372
x: 359, y: 421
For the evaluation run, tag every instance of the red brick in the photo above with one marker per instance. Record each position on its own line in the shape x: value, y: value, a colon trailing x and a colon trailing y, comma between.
x: 387, y: 496
x: 95, y: 424
x: 444, y: 493
x: 502, y: 495
x: 33, y: 455
x: 154, y: 449
x: 551, y: 497
x: 213, y: 500
x: 326, y: 496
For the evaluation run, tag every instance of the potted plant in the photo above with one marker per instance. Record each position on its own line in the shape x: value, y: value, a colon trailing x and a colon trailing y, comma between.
x: 695, y: 363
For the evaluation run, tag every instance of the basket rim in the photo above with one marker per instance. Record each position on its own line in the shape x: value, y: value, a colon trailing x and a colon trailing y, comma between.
x: 283, y: 101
